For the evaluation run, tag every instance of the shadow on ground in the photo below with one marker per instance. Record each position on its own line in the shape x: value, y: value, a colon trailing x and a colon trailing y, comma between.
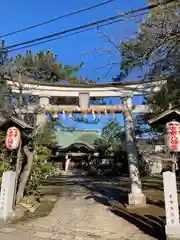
x: 113, y: 193
x: 153, y: 226
x: 149, y: 219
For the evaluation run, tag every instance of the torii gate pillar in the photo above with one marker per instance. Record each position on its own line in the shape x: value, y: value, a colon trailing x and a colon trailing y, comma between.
x: 136, y: 197
x: 41, y: 117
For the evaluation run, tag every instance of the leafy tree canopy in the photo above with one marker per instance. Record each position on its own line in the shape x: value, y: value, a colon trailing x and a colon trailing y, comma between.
x: 112, y: 137
x: 156, y: 51
x: 42, y: 66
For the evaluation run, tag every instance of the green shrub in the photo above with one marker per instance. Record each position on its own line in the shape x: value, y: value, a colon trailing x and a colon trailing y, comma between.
x: 4, y: 166
x: 40, y: 170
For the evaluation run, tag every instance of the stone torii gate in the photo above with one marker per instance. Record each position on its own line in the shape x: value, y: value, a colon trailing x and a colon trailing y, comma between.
x: 125, y: 91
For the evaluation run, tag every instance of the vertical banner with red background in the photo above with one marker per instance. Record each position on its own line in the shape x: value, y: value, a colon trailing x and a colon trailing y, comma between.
x: 173, y: 136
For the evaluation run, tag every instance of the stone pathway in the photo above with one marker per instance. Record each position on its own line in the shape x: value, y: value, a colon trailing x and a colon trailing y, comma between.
x: 75, y: 217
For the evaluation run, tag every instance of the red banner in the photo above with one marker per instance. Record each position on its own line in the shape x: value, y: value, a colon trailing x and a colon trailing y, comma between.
x: 173, y: 132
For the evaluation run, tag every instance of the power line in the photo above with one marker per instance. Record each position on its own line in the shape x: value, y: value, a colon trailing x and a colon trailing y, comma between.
x: 67, y: 35
x: 72, y: 34
x: 55, y: 19
x: 152, y: 6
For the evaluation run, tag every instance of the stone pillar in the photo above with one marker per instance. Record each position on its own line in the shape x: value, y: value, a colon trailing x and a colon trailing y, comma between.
x: 41, y: 116
x: 7, y: 194
x: 136, y: 196
x: 83, y: 100
x: 67, y: 162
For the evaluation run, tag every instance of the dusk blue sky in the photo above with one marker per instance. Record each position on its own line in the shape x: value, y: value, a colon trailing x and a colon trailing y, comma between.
x: 19, y: 14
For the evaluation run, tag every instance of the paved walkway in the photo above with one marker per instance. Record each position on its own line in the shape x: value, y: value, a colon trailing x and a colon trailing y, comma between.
x: 76, y: 216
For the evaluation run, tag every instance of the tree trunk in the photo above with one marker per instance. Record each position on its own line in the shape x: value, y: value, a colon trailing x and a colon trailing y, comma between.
x: 25, y: 173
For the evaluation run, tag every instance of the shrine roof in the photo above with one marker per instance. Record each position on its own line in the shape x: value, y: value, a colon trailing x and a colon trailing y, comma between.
x: 165, y: 117
x: 78, y: 138
x: 6, y: 122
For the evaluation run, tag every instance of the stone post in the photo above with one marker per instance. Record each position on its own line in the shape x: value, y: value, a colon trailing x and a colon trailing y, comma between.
x: 41, y: 116
x: 7, y: 194
x: 67, y: 162
x: 172, y: 227
x: 136, y: 196
x: 83, y: 100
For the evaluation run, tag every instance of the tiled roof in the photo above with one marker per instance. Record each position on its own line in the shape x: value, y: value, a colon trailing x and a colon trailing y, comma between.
x: 66, y: 138
x: 17, y: 121
x: 164, y: 115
